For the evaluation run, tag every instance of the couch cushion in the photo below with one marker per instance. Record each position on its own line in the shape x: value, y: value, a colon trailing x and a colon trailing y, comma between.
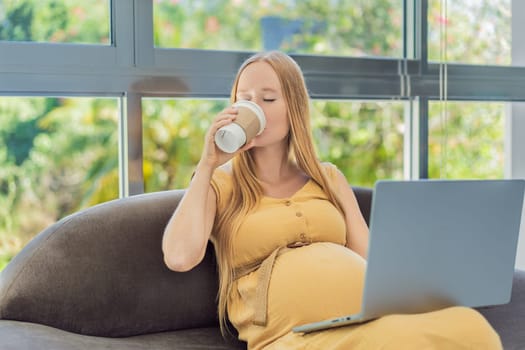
x: 29, y: 336
x: 509, y: 319
x: 101, y: 272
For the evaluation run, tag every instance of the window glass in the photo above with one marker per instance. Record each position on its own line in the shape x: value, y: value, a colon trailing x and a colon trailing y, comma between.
x: 364, y: 139
x: 61, y: 156
x: 466, y: 140
x: 354, y: 28
x: 57, y: 21
x: 473, y: 31
x: 173, y: 136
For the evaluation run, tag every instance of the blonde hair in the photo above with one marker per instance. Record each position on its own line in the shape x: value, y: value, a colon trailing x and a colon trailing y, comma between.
x: 247, y: 190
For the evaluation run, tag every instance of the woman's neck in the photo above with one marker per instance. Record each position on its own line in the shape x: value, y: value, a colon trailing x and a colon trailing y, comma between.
x: 272, y: 165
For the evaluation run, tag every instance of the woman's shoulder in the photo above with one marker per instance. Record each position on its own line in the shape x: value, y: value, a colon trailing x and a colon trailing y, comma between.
x: 331, y: 170
x: 336, y: 177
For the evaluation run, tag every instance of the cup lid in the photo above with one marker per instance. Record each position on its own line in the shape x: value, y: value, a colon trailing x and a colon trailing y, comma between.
x: 256, y: 109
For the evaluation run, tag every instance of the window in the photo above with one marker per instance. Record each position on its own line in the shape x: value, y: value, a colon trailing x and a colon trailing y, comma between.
x: 67, y: 21
x: 466, y: 140
x: 343, y: 28
x: 364, y: 139
x: 173, y: 136
x: 61, y: 156
x: 474, y: 31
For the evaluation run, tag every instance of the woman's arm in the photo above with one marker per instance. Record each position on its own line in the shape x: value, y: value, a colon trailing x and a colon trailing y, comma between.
x: 189, y: 229
x: 356, y: 227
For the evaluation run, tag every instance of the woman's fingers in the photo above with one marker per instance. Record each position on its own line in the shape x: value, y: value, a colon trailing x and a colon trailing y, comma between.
x: 229, y: 112
x: 223, y: 118
x: 211, y: 152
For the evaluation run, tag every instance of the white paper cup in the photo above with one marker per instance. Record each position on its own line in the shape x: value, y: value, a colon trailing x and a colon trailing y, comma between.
x: 255, y: 108
x: 249, y: 123
x: 230, y: 138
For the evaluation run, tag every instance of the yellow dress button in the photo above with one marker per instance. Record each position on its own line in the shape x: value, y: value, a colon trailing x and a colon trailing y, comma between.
x: 303, y: 236
x: 288, y: 203
x: 299, y: 214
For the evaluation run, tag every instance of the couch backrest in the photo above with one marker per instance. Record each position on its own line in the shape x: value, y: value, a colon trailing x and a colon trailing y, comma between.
x: 101, y: 272
x: 364, y: 198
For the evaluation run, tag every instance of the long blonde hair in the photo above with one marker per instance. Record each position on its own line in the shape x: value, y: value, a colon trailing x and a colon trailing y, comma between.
x: 247, y: 190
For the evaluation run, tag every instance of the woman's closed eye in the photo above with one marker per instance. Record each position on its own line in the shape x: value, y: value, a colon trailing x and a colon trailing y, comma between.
x: 269, y: 99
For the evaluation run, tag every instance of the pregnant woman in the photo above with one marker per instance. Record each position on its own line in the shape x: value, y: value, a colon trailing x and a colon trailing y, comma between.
x: 290, y: 239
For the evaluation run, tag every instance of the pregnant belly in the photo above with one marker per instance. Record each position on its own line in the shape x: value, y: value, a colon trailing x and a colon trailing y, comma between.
x: 315, y: 282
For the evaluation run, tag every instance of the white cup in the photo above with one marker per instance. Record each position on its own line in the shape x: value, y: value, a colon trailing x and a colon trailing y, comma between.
x: 250, y: 122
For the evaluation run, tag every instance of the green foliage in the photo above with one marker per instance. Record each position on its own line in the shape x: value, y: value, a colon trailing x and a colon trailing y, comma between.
x: 70, y: 162
x: 362, y: 138
x: 338, y: 27
x: 65, y: 21
x: 476, y: 32
x: 173, y: 134
x: 3, y: 262
x: 17, y: 23
x: 466, y: 140
x: 19, y: 134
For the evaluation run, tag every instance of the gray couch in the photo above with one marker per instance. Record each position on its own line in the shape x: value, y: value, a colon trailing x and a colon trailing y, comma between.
x: 96, y: 280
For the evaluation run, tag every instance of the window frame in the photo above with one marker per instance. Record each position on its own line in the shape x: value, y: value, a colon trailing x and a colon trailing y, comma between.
x: 132, y: 68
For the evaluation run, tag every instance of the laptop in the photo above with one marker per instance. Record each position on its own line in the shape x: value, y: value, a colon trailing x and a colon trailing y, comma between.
x: 435, y: 244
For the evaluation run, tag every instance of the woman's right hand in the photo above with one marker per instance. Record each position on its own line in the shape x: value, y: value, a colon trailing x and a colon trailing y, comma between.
x: 212, y: 156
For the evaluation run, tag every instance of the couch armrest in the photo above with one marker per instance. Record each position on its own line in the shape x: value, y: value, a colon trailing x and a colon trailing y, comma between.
x: 101, y: 272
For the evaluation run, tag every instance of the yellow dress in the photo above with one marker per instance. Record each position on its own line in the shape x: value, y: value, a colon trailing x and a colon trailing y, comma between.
x: 319, y: 278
